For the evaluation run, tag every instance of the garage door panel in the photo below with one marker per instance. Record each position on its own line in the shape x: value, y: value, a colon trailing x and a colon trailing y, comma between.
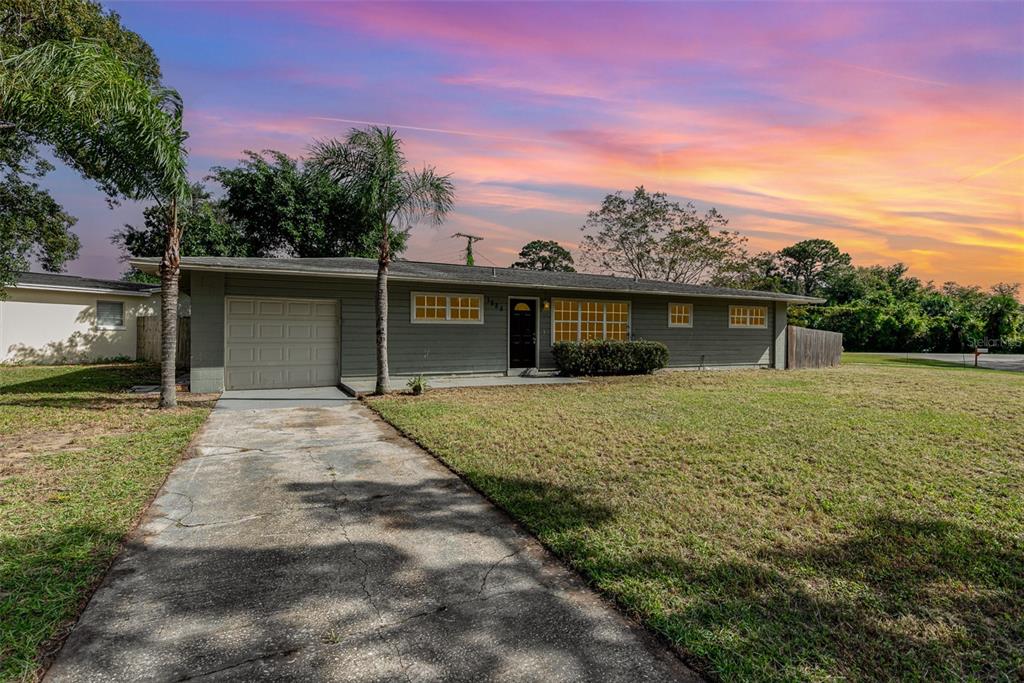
x: 324, y: 355
x: 300, y: 309
x: 324, y: 378
x: 241, y: 307
x: 299, y: 354
x: 240, y: 379
x: 325, y: 332
x: 271, y: 354
x: 303, y: 376
x: 241, y: 330
x: 270, y: 331
x: 269, y: 308
x: 324, y: 310
x: 241, y: 354
x: 302, y: 331
x: 281, y: 343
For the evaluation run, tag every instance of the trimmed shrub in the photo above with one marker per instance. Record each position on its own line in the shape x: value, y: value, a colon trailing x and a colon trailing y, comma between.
x: 607, y: 357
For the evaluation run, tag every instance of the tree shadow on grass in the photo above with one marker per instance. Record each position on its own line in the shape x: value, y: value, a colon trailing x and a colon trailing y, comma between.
x: 96, y: 387
x: 89, y: 378
x: 898, y: 599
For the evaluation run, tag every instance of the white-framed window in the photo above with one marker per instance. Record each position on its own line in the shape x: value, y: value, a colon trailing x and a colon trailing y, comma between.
x: 680, y: 315
x: 110, y: 315
x: 460, y: 309
x: 582, y: 320
x: 748, y: 316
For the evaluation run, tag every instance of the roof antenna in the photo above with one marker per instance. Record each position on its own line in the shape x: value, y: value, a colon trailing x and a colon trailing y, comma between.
x: 469, y: 245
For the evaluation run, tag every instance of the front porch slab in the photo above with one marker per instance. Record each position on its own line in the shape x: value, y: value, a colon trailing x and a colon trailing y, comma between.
x: 365, y: 385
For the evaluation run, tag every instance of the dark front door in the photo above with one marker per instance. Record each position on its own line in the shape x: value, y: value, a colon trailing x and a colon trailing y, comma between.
x: 522, y: 333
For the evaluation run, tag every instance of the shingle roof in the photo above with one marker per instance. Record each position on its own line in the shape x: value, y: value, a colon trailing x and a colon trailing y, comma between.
x: 477, y: 275
x: 75, y: 282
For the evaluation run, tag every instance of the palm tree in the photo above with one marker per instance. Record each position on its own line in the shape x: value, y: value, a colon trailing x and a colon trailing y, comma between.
x: 370, y: 164
x: 103, y: 119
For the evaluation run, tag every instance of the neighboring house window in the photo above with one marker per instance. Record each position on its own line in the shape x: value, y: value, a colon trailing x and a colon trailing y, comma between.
x: 580, y: 320
x: 748, y: 316
x: 680, y: 315
x: 447, y: 308
x: 110, y: 315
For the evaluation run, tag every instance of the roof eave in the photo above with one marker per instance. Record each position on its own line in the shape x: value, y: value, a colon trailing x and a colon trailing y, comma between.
x: 84, y: 290
x: 151, y: 266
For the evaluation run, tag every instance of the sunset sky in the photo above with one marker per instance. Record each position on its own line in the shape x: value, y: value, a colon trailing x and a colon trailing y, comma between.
x: 896, y: 129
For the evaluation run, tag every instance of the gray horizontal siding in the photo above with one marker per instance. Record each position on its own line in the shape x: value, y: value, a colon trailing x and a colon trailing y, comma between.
x: 710, y: 341
x: 446, y: 347
x: 451, y: 348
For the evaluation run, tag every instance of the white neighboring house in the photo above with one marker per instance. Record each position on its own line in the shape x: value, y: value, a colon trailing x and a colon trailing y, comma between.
x: 50, y: 318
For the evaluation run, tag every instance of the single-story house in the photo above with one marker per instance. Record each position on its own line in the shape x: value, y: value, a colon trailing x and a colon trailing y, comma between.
x: 297, y: 322
x: 55, y: 318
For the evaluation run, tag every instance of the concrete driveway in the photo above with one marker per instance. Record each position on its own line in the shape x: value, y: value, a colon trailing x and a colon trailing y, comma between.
x: 315, y: 543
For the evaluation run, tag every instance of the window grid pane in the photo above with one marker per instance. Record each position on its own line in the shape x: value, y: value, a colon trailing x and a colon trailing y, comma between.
x: 748, y: 316
x: 443, y: 307
x: 679, y: 314
x: 582, y: 320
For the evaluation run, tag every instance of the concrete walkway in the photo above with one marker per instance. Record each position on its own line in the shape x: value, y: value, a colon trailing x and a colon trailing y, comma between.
x: 265, y: 399
x: 318, y: 544
x: 366, y: 385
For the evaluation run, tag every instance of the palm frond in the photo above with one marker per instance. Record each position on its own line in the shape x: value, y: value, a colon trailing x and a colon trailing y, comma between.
x: 370, y: 163
x: 427, y: 195
x: 98, y: 115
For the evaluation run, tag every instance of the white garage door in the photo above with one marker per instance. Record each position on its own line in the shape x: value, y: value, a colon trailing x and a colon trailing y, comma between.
x: 281, y: 343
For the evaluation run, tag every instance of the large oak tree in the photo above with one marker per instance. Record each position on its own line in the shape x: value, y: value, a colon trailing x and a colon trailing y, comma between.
x: 647, y: 236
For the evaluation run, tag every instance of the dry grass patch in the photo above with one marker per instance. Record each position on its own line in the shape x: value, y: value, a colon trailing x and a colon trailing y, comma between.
x: 79, y: 458
x: 864, y: 522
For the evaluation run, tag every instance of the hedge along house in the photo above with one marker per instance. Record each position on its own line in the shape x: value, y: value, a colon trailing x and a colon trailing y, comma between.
x: 299, y: 322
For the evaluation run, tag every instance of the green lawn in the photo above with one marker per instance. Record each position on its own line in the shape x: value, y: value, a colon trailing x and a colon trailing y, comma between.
x: 861, y: 523
x: 79, y: 459
x: 909, y: 361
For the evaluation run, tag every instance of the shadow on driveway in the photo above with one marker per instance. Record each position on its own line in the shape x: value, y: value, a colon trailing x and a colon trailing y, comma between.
x: 318, y: 544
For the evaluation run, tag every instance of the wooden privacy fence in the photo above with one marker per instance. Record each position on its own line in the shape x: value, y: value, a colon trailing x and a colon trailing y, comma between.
x: 807, y: 348
x: 147, y: 339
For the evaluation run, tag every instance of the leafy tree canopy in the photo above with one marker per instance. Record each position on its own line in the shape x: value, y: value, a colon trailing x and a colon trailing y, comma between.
x: 811, y: 265
x: 648, y: 236
x: 279, y: 205
x: 881, y: 308
x: 32, y: 223
x: 272, y: 204
x: 206, y: 231
x: 545, y: 255
x: 27, y: 23
x: 65, y: 66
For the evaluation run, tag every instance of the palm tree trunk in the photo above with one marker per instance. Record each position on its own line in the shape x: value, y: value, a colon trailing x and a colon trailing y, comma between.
x: 169, y: 271
x: 383, y: 385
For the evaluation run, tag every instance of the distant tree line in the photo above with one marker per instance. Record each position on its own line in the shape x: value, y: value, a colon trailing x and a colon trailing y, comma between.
x: 877, y: 308
x: 882, y: 308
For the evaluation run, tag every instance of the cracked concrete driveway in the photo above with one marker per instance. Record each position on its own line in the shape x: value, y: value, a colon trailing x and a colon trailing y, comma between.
x: 316, y: 543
